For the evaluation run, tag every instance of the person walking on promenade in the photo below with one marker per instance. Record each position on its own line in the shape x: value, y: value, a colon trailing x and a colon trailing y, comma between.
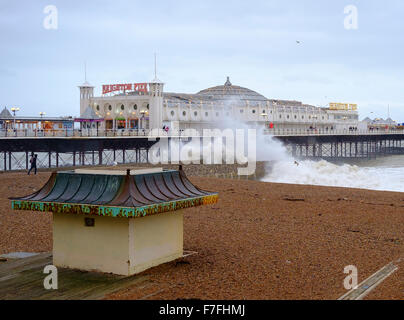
x: 33, y: 161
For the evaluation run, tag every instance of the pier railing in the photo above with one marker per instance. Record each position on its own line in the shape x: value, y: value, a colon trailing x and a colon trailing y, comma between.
x: 10, y: 133
x: 60, y: 148
x: 308, y: 132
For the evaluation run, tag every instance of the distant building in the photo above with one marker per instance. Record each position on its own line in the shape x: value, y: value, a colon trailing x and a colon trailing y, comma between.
x: 9, y: 122
x: 380, y: 123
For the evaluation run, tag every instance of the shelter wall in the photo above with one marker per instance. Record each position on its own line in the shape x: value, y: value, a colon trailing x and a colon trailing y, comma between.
x: 117, y: 245
x: 104, y: 247
x: 156, y: 239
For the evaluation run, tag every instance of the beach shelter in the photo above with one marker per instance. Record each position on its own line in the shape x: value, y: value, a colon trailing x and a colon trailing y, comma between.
x: 113, y: 221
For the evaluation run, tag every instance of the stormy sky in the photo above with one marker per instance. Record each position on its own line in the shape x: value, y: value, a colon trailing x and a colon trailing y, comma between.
x: 198, y: 44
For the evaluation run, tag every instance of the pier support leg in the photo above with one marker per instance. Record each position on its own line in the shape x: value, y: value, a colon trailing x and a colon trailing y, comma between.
x: 293, y: 151
x: 367, y: 149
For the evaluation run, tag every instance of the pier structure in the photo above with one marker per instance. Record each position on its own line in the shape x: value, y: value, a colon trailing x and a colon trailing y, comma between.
x: 72, y: 152
x: 55, y: 152
x: 344, y: 146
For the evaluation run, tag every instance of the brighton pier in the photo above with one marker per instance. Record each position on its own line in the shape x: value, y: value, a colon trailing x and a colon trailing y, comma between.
x: 123, y: 124
x: 58, y: 152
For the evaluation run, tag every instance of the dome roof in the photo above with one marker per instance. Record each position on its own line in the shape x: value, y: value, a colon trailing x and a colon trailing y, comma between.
x: 229, y: 91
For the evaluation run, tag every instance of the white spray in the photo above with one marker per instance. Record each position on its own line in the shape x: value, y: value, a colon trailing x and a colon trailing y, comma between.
x: 283, y: 168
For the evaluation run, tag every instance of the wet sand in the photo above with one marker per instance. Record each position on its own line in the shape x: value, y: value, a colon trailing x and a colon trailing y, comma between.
x: 261, y: 241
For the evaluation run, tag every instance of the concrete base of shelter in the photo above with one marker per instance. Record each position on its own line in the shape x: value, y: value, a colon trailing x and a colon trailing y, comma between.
x: 116, y: 245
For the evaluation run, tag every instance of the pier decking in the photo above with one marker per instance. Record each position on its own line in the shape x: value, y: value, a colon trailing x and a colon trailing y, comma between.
x: 22, y: 279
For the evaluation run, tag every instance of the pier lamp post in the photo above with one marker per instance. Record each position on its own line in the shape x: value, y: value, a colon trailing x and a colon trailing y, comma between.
x: 132, y: 121
x: 14, y: 110
x: 314, y: 123
x: 344, y: 119
x: 142, y: 112
x: 264, y: 116
x: 42, y: 114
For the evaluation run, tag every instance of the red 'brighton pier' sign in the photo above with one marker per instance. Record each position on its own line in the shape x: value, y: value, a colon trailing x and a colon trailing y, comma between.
x: 141, y: 87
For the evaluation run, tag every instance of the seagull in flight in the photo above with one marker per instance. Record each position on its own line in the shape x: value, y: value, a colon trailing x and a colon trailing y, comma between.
x: 297, y: 41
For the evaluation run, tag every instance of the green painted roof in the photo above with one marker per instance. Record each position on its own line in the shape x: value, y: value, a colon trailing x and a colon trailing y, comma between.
x: 115, y: 195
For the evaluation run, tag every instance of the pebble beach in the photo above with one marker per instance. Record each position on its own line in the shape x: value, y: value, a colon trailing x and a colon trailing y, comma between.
x: 260, y: 241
